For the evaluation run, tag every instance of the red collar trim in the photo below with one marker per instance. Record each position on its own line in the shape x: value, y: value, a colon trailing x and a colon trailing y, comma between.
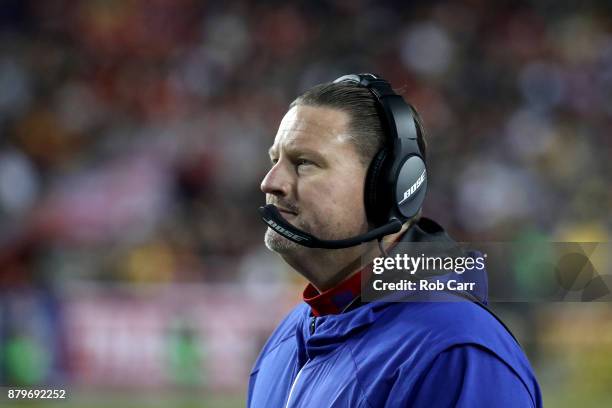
x: 336, y: 299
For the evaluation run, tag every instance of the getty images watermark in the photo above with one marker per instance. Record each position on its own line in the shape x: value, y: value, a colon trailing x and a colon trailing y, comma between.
x: 504, y: 272
x: 426, y: 265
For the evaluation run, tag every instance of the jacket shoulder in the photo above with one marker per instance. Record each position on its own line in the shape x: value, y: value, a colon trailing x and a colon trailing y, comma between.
x: 415, y: 333
x: 446, y: 323
x: 284, y: 331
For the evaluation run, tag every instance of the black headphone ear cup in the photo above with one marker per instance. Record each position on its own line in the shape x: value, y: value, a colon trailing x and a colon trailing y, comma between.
x: 411, y: 186
x: 373, y: 199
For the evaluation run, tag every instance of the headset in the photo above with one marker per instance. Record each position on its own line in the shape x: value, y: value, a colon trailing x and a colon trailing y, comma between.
x: 396, y: 180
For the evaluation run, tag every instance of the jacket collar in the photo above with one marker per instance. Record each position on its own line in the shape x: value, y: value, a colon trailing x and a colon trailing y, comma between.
x: 334, y: 300
x: 427, y: 230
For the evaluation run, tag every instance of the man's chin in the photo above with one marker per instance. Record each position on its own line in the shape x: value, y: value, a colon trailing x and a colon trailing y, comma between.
x: 277, y: 243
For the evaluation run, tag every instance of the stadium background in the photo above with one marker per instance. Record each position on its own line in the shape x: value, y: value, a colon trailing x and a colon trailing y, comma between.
x: 133, y: 138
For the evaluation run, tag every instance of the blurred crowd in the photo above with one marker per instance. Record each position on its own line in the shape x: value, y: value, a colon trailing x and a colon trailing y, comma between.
x: 133, y: 134
x: 133, y: 139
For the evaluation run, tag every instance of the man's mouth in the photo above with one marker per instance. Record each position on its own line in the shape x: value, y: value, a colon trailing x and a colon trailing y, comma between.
x: 286, y: 209
x: 286, y: 212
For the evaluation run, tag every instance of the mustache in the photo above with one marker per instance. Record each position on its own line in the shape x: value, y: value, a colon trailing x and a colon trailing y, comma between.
x: 285, y: 205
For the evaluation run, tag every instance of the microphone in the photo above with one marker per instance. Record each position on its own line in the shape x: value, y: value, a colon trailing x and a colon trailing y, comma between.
x: 273, y: 218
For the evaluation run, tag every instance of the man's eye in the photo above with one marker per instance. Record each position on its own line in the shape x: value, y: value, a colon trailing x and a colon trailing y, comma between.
x: 303, y: 162
x: 273, y: 161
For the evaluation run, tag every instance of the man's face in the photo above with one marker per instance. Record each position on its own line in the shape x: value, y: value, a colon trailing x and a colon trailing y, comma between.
x: 317, y: 178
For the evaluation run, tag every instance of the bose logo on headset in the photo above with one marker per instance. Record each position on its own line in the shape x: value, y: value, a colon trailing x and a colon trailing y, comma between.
x: 413, y: 188
x: 285, y: 232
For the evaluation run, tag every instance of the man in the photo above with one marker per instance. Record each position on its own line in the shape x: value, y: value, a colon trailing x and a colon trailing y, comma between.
x: 348, y: 167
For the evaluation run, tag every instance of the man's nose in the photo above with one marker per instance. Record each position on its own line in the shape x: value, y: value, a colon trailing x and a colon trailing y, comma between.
x: 277, y: 181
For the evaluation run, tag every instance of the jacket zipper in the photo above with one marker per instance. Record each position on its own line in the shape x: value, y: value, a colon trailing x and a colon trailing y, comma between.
x: 313, y: 323
x: 295, y: 382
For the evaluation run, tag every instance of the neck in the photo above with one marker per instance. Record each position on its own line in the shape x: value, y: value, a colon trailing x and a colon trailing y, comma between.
x: 326, y: 268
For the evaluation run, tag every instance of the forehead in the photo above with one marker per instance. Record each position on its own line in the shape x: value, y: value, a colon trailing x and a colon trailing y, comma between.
x: 313, y: 127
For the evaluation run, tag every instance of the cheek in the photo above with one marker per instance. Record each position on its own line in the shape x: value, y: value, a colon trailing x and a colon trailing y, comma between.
x: 336, y: 200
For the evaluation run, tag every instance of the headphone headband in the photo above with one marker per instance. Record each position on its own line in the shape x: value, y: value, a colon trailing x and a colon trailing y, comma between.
x: 399, y: 120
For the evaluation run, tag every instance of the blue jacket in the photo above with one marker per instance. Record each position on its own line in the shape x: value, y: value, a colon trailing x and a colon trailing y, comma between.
x: 386, y: 354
